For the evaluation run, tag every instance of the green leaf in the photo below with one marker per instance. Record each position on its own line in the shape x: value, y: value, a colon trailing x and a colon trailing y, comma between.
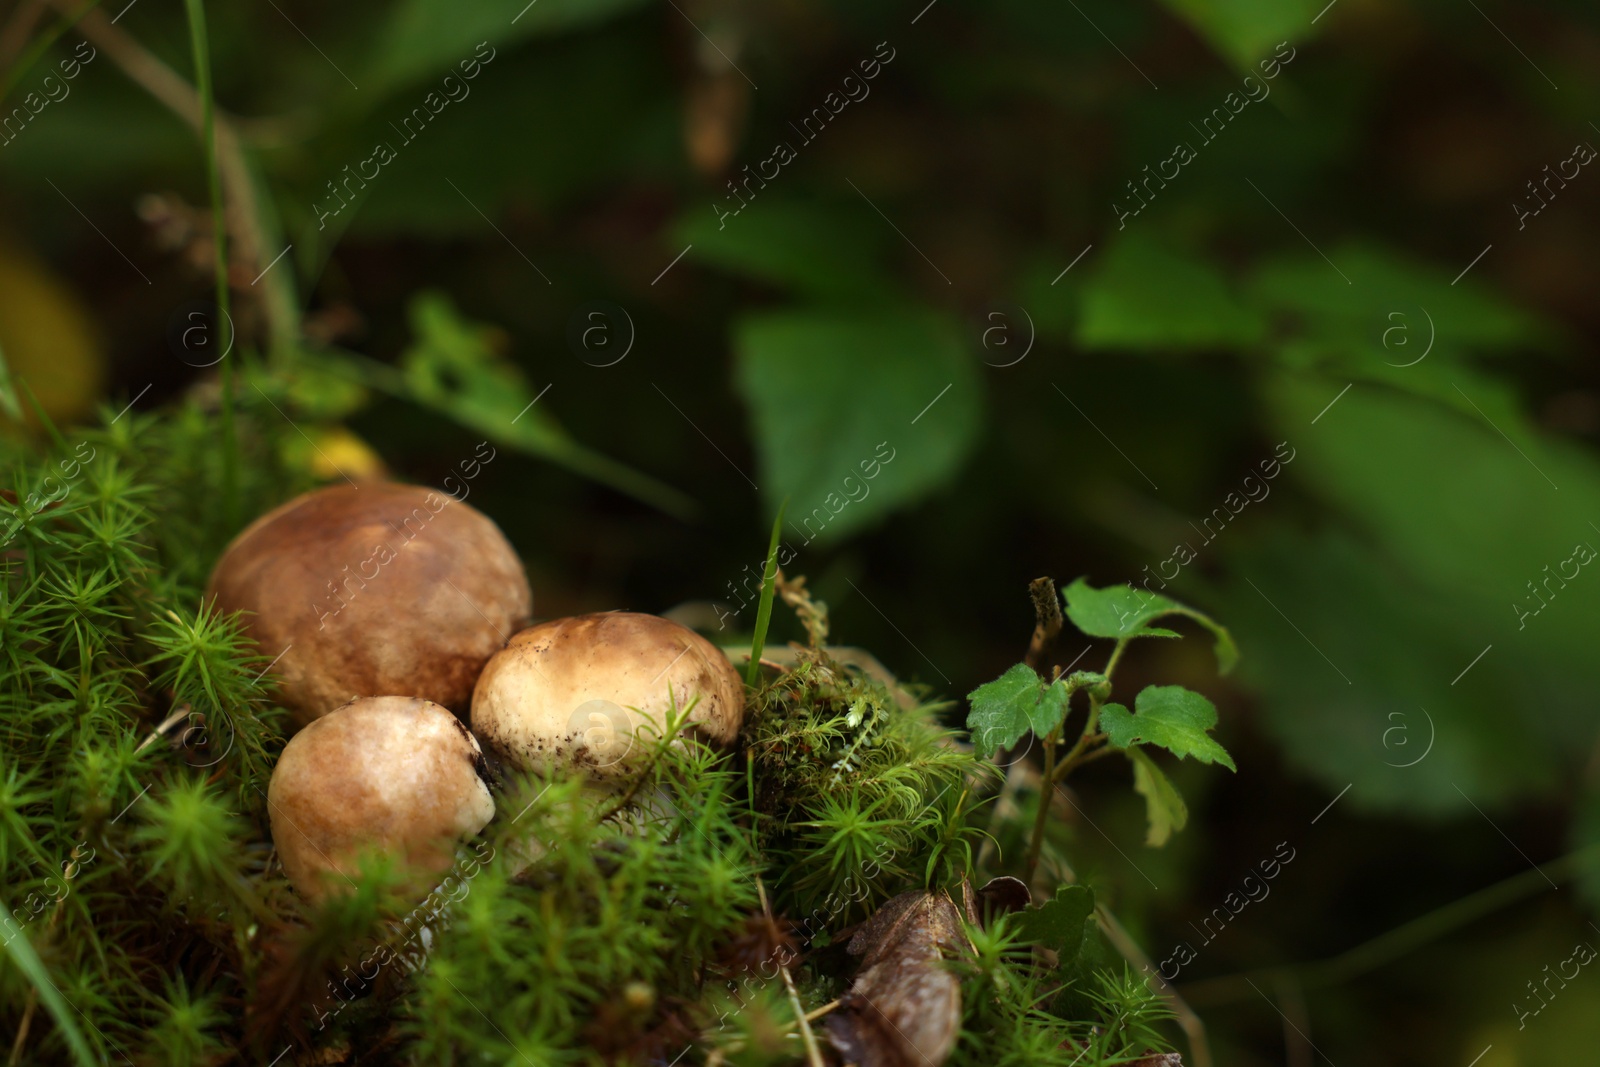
x: 423, y: 36
x: 1163, y: 804
x: 1143, y: 296
x: 1394, y: 305
x: 453, y: 368
x: 1047, y: 714
x: 1170, y: 717
x: 1245, y: 31
x: 1121, y: 611
x: 827, y: 253
x: 856, y: 414
x: 28, y: 962
x: 1395, y: 474
x: 1004, y: 709
x: 1059, y: 923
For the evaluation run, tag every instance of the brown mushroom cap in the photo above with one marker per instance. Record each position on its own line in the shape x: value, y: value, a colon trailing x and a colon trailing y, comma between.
x: 381, y: 589
x: 393, y: 774
x: 575, y: 691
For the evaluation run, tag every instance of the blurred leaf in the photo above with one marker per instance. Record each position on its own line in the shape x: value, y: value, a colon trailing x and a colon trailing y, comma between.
x: 1011, y: 705
x: 1121, y: 611
x: 819, y: 251
x: 1372, y: 706
x: 319, y: 392
x: 1585, y: 833
x: 1170, y: 717
x: 453, y: 368
x: 1245, y: 31
x: 598, y: 96
x: 1448, y: 532
x: 1394, y: 309
x: 419, y: 37
x: 1412, y: 470
x: 1144, y: 296
x: 856, y: 414
x: 1058, y: 923
x: 1164, y: 806
x: 1051, y: 298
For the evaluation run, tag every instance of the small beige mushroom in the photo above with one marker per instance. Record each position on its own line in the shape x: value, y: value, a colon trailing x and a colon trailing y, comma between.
x: 576, y: 691
x: 384, y: 589
x: 398, y: 775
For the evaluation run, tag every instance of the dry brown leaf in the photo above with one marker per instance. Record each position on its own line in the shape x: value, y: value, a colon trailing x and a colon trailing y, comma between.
x: 904, y: 1008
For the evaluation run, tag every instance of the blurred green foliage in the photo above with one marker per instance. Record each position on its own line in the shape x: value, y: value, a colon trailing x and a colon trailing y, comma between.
x: 1309, y: 278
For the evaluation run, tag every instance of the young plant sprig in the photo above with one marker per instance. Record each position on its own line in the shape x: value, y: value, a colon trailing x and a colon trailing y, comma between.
x: 1170, y: 717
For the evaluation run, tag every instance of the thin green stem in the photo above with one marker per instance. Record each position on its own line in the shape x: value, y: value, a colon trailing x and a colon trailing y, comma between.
x: 208, y: 130
x: 1089, y: 754
x: 1075, y: 755
x: 769, y: 581
x: 1046, y: 788
x: 1116, y: 654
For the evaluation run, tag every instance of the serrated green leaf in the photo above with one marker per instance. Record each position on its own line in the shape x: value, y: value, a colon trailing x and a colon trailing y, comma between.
x: 1124, y: 611
x: 856, y: 413
x: 1163, y: 804
x: 1169, y: 717
x: 1047, y: 714
x: 1059, y: 923
x: 1002, y: 710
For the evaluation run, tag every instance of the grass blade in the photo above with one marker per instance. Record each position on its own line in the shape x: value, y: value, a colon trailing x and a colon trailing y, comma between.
x: 219, y: 230
x: 769, y: 575
x: 28, y: 962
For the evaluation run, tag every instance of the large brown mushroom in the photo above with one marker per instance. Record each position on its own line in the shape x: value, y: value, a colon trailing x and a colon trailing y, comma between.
x: 576, y: 691
x: 392, y: 775
x: 379, y: 590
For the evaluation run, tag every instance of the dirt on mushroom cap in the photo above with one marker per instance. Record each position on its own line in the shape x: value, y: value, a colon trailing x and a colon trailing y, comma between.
x: 576, y: 690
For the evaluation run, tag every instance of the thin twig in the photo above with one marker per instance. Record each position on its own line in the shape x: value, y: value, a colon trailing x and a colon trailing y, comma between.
x: 820, y: 1012
x: 161, y: 731
x: 178, y: 96
x: 17, y: 30
x: 1047, y: 612
x: 1403, y: 939
x: 813, y: 1052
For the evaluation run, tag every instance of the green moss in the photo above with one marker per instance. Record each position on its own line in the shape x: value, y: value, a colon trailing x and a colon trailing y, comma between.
x: 137, y: 738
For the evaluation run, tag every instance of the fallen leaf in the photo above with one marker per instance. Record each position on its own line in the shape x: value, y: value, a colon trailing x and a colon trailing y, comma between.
x: 1002, y: 895
x: 904, y: 1008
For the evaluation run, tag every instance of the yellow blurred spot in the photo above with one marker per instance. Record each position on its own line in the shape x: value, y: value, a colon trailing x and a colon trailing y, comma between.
x: 333, y: 453
x: 48, y: 338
